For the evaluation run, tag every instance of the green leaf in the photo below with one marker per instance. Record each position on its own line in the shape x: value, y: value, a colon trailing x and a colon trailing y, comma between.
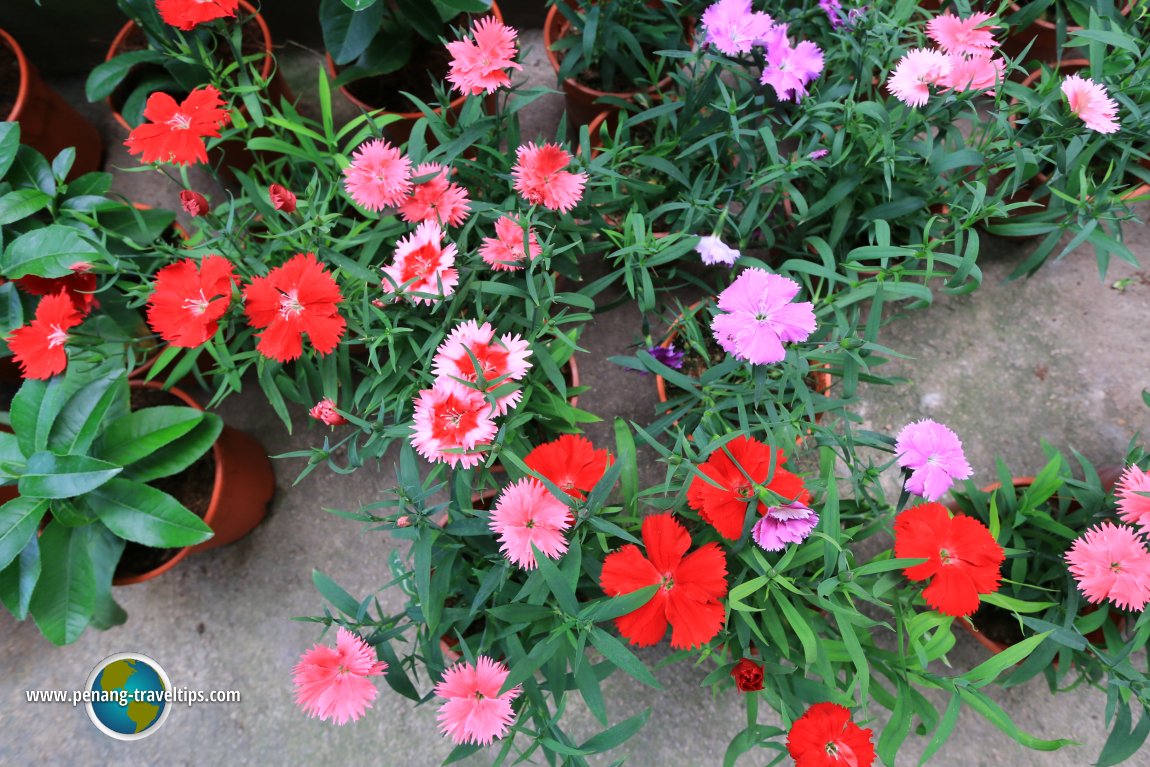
x: 616, y: 735
x: 146, y: 515
x: 31, y: 170
x: 1123, y: 742
x: 346, y: 32
x: 178, y: 454
x: 20, y: 204
x: 48, y: 475
x: 999, y: 718
x: 987, y: 671
x: 104, y: 78
x: 141, y: 433
x: 945, y: 727
x: 624, y: 604
x: 34, y: 410
x: 105, y: 550
x: 65, y: 594
x: 86, y: 413
x: 334, y: 593
x: 9, y: 145
x: 19, y: 519
x: 47, y: 252
x: 18, y: 580
x: 616, y: 652
x: 563, y: 591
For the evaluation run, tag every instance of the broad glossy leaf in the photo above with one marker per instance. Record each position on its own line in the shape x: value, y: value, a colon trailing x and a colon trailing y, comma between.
x: 143, y: 514
x: 18, y: 580
x: 65, y: 594
x: 48, y: 475
x: 141, y: 433
x: 9, y: 145
x: 86, y: 412
x: 179, y: 454
x: 47, y: 252
x: 19, y: 519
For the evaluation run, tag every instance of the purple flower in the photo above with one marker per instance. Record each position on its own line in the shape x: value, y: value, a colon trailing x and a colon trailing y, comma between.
x: 788, y: 68
x: 732, y: 28
x: 781, y: 525
x: 759, y: 317
x: 934, y: 455
x: 819, y: 154
x: 668, y: 355
x: 834, y: 11
x: 855, y: 15
x: 714, y: 252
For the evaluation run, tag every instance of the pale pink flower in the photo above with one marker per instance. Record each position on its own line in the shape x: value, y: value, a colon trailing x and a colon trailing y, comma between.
x: 379, y: 176
x: 505, y: 251
x: 970, y: 36
x: 332, y: 682
x: 791, y: 523
x: 423, y: 267
x: 325, y: 411
x: 477, y: 66
x: 934, y: 455
x: 501, y: 361
x: 451, y: 424
x: 915, y: 72
x: 541, y: 179
x: 474, y: 711
x: 1090, y: 101
x: 973, y: 73
x: 759, y: 317
x: 713, y: 251
x: 436, y: 199
x: 1132, y: 507
x: 789, y: 68
x: 732, y: 27
x: 1111, y: 562
x: 528, y: 514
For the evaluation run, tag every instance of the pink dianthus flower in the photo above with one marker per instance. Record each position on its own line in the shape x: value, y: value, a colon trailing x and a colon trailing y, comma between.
x: 477, y: 65
x: 934, y: 455
x: 332, y: 682
x: 505, y: 251
x: 451, y: 424
x: 732, y: 27
x: 1132, y: 507
x: 500, y: 361
x: 969, y: 36
x: 789, y: 68
x: 436, y: 199
x: 759, y: 317
x: 474, y: 711
x: 379, y: 176
x: 528, y: 514
x: 790, y: 523
x: 914, y: 74
x: 423, y: 267
x: 541, y: 179
x: 1091, y: 103
x: 1111, y: 562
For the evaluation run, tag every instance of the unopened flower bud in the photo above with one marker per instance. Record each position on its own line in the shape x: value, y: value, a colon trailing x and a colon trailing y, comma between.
x: 281, y: 198
x: 325, y: 411
x: 404, y: 521
x: 193, y: 202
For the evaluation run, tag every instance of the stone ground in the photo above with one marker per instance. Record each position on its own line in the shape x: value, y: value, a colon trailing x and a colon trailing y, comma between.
x: 1061, y: 357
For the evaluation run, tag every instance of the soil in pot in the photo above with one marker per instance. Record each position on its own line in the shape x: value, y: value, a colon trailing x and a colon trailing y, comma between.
x: 997, y: 625
x: 9, y: 81
x: 384, y: 91
x: 191, y: 487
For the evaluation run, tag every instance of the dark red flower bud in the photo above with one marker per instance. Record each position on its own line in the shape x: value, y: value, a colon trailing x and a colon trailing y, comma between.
x: 281, y: 198
x: 748, y: 675
x: 194, y: 202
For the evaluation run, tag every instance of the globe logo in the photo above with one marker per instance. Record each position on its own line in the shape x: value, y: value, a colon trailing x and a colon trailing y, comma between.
x: 128, y: 696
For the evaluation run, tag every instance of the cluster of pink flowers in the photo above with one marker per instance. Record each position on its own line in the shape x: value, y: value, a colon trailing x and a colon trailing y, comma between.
x: 733, y: 28
x: 1111, y: 561
x: 454, y: 419
x: 758, y: 317
x: 966, y: 61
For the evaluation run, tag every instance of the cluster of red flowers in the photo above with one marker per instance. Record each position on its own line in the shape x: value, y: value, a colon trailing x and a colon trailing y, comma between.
x: 297, y: 298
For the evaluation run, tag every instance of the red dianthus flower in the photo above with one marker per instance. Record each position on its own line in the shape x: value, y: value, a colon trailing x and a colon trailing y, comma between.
x: 175, y: 132
x: 296, y: 298
x: 825, y: 736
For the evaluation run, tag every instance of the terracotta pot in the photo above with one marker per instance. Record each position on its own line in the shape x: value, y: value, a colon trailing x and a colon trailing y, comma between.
x: 1044, y: 33
x: 49, y: 124
x: 595, y: 130
x: 244, y: 486
x: 400, y: 130
x: 582, y: 106
x: 235, y: 155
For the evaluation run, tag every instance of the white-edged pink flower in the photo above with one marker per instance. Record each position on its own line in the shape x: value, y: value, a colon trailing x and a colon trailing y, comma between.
x: 525, y: 515
x: 452, y: 423
x: 970, y: 36
x: 1090, y: 101
x: 379, y: 175
x: 500, y: 360
x: 541, y: 177
x: 915, y: 72
x: 423, y: 268
x: 436, y: 199
x: 505, y: 250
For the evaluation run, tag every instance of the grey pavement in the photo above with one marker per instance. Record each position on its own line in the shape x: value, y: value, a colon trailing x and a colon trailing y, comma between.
x: 1062, y: 357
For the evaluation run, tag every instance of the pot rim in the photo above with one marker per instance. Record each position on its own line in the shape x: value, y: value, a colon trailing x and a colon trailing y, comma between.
x: 25, y: 75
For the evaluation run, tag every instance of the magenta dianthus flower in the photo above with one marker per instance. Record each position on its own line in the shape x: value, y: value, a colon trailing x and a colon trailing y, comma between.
x: 789, y: 68
x: 933, y: 453
x: 733, y: 28
x: 759, y: 316
x: 791, y: 523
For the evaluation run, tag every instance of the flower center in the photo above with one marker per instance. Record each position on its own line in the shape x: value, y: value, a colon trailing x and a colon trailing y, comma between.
x: 290, y: 305
x: 57, y: 337
x: 180, y: 121
x: 745, y: 492
x: 198, y: 306
x: 832, y: 749
x: 946, y: 557
x: 667, y: 582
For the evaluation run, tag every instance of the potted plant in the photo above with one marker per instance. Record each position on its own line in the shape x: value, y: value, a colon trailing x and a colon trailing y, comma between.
x: 1042, y: 521
x: 1044, y: 26
x: 380, y: 50
x: 604, y: 54
x: 84, y: 464
x: 50, y: 124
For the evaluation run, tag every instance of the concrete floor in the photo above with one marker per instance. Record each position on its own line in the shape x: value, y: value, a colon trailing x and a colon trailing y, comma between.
x: 1060, y: 357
